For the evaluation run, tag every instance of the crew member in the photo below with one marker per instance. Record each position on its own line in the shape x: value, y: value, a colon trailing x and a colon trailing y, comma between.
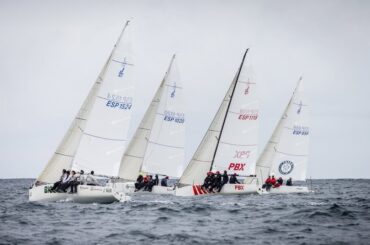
x: 65, y: 182
x: 138, y: 182
x: 225, y: 180
x: 73, y: 182
x: 164, y: 181
x: 267, y: 183
x: 273, y: 180
x: 150, y: 184
x: 156, y: 180
x: 217, y: 181
x: 90, y: 179
x: 80, y: 180
x: 233, y: 179
x: 57, y: 184
x: 207, y: 181
x: 289, y: 182
x: 146, y: 182
x: 279, y: 182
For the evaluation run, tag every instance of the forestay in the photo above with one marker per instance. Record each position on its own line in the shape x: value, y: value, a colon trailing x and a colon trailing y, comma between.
x: 165, y: 151
x: 230, y: 141
x: 66, y: 151
x: 286, y: 153
x: 104, y: 137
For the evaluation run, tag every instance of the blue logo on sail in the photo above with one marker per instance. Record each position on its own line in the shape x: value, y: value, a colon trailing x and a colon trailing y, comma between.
x: 119, y: 102
x: 299, y: 107
x: 300, y: 130
x: 171, y: 116
x: 120, y: 73
x: 174, y: 91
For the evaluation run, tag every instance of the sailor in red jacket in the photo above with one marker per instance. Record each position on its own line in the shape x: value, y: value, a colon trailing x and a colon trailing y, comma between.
x: 279, y: 182
x: 268, y: 180
x: 272, y: 180
x: 267, y: 184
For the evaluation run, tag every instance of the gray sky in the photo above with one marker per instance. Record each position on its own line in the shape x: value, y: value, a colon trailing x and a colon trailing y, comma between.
x: 52, y: 51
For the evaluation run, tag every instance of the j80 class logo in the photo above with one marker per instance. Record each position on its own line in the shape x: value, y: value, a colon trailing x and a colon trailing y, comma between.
x: 286, y: 167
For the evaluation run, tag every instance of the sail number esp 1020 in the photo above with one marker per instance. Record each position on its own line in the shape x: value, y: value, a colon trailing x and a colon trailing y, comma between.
x: 176, y: 117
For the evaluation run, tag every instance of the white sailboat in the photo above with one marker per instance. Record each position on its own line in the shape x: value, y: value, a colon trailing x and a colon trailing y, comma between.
x: 230, y: 142
x: 157, y: 146
x: 286, y: 153
x: 97, y: 137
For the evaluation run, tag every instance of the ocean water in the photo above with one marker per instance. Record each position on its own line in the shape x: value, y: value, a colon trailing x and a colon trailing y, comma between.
x: 337, y: 213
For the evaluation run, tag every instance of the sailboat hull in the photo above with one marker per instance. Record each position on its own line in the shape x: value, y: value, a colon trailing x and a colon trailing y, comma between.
x: 227, y: 189
x: 285, y: 190
x: 85, y: 194
x: 129, y: 188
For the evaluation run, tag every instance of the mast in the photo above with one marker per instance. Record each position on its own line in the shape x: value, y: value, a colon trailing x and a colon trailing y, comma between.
x: 228, y: 107
x: 120, y: 36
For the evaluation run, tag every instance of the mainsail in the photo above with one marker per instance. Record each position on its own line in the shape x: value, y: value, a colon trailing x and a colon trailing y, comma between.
x: 286, y: 153
x: 158, y: 144
x: 230, y: 142
x: 97, y: 135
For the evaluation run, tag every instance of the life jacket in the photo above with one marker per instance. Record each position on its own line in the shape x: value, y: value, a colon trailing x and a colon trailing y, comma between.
x: 277, y: 185
x: 268, y: 181
x: 273, y: 181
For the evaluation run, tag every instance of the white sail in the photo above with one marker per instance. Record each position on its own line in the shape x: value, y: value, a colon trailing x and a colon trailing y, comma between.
x: 228, y: 134
x: 66, y: 150
x: 104, y: 137
x: 286, y: 153
x: 133, y: 158
x: 237, y: 148
x: 165, y: 151
x: 63, y: 156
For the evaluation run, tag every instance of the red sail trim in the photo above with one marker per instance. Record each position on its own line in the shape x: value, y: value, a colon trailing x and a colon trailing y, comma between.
x: 195, y: 190
x: 200, y: 191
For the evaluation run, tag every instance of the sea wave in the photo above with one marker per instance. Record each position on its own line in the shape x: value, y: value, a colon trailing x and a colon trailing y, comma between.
x: 338, y: 213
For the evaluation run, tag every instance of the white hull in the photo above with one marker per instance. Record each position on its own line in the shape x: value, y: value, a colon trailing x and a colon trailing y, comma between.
x: 285, y: 190
x: 129, y: 188
x: 85, y: 194
x: 227, y: 189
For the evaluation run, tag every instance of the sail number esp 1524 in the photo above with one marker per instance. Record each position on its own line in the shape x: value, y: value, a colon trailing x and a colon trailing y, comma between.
x: 119, y: 102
